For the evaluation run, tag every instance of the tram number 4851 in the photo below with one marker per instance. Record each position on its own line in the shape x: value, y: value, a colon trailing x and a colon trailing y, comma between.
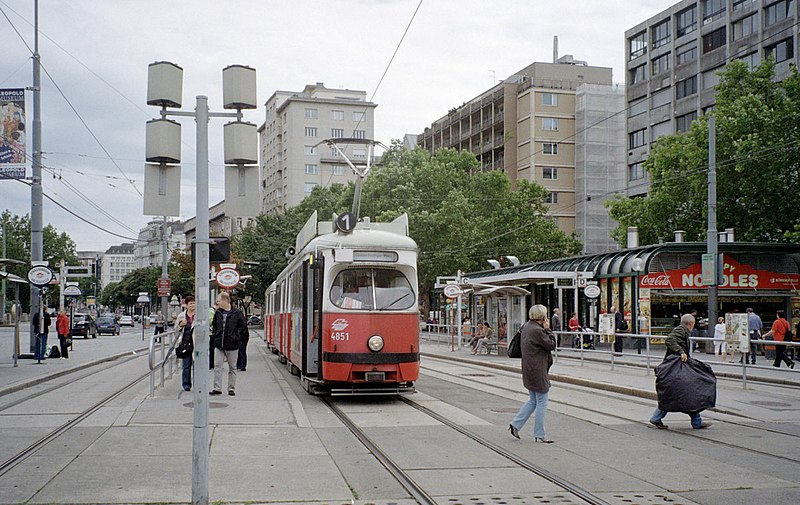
x: 340, y: 335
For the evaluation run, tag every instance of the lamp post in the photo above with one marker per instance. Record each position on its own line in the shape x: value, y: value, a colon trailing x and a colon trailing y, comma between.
x: 143, y: 300
x: 174, y: 304
x: 637, y: 265
x: 162, y: 195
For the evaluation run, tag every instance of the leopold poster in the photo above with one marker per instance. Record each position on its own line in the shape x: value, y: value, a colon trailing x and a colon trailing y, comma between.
x: 12, y: 143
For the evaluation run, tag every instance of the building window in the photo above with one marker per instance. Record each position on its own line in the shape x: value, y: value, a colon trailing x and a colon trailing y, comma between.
x: 778, y: 12
x: 550, y: 173
x: 337, y: 115
x: 311, y: 169
x: 550, y: 124
x: 311, y: 131
x: 551, y: 198
x: 713, y: 10
x: 337, y: 169
x: 310, y: 114
x: 550, y: 99
x: 359, y: 134
x: 334, y: 153
x: 740, y: 4
x: 744, y: 27
x: 661, y: 97
x: 782, y: 51
x: 637, y: 138
x: 550, y: 149
x: 752, y: 60
x: 309, y: 186
x: 685, y: 54
x: 660, y: 64
x: 310, y: 150
x: 683, y: 123
x: 359, y: 153
x: 637, y: 45
x: 660, y: 34
x: 714, y: 40
x: 711, y: 78
x: 660, y: 129
x: 337, y: 133
x: 637, y: 74
x: 635, y: 171
x: 686, y: 21
x: 359, y: 117
x: 636, y: 108
x: 686, y: 87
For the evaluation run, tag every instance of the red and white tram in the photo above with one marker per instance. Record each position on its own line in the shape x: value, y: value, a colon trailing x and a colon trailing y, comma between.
x: 343, y: 314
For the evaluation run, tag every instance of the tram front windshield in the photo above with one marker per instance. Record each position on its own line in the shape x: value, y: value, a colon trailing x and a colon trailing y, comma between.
x: 372, y: 289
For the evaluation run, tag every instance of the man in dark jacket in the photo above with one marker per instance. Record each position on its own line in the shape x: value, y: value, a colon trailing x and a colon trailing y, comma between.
x: 620, y: 326
x: 678, y: 343
x: 41, y: 333
x: 537, y: 341
x: 226, y: 330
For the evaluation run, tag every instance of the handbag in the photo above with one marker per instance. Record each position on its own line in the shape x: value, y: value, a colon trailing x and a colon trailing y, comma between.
x: 514, y: 347
x: 185, y: 348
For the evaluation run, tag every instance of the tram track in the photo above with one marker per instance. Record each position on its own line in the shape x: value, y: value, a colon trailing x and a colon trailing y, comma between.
x: 417, y: 492
x: 22, y: 455
x: 692, y: 434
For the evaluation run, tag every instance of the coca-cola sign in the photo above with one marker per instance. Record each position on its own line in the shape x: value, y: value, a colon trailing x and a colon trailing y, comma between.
x: 735, y: 275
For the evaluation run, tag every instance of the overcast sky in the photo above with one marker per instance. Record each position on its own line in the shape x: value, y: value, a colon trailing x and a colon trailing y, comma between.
x: 97, y: 53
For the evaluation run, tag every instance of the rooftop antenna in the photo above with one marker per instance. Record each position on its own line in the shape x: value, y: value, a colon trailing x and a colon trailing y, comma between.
x: 360, y: 169
x: 555, y: 48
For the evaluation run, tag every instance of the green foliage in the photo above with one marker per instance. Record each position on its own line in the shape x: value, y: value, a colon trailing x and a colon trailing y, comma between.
x: 458, y: 216
x: 757, y: 166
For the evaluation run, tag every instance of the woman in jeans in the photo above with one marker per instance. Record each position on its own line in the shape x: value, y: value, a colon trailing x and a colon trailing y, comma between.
x: 185, y: 325
x: 537, y: 343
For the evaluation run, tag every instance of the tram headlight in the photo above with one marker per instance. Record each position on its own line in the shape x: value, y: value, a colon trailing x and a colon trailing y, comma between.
x: 375, y: 343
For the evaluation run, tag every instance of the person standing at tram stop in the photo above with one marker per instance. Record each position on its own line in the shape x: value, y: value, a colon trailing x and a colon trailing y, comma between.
x: 185, y: 325
x: 778, y: 333
x: 227, y: 327
x: 161, y: 324
x: 720, y: 347
x: 62, y: 328
x: 619, y: 327
x: 555, y: 324
x: 41, y: 332
x: 754, y: 326
x: 537, y: 342
x: 678, y: 343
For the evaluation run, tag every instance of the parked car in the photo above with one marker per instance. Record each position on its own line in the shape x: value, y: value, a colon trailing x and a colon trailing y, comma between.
x: 107, y: 324
x: 83, y: 325
x: 254, y: 321
x: 126, y: 321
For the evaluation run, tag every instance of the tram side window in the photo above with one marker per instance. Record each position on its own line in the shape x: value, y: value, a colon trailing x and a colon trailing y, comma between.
x: 354, y: 289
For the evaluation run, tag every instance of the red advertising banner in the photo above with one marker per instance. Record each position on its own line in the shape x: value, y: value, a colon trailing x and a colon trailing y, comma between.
x: 735, y: 275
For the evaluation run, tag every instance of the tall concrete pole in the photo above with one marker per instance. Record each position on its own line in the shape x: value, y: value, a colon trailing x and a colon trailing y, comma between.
x: 164, y: 268
x: 37, y: 241
x: 712, y: 218
x: 201, y: 327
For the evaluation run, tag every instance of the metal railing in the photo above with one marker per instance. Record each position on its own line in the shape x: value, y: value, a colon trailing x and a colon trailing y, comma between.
x: 165, y: 342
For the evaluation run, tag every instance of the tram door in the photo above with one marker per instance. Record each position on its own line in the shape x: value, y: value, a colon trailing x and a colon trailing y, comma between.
x: 312, y: 317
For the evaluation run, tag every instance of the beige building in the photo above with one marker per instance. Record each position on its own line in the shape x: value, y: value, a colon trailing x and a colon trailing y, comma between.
x: 293, y: 159
x: 526, y: 126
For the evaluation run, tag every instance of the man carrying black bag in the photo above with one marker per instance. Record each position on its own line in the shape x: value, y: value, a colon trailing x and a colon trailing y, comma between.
x: 683, y: 384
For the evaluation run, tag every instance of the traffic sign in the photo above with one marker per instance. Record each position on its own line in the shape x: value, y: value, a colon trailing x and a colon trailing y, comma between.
x: 452, y: 290
x: 591, y: 291
x: 40, y: 275
x: 346, y: 222
x: 163, y: 286
x: 72, y: 291
x: 228, y: 278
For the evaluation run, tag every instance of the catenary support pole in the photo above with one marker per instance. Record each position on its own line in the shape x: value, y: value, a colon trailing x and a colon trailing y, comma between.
x: 37, y: 242
x: 712, y: 218
x: 164, y: 270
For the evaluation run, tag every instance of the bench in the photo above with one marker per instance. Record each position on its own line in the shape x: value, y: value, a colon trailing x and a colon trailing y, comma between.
x: 496, y: 347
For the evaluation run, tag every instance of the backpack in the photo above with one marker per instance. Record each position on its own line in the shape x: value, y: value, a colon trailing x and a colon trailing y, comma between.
x: 623, y: 326
x: 55, y: 353
x: 514, y: 347
x: 787, y: 337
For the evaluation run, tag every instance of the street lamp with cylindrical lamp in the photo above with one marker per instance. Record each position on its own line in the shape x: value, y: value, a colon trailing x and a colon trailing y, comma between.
x: 143, y: 301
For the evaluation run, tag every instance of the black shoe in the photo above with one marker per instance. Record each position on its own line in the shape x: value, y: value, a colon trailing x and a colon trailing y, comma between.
x: 792, y: 365
x: 544, y: 440
x: 231, y: 393
x: 242, y: 369
x: 513, y: 430
x: 215, y: 392
x: 187, y: 389
x: 659, y: 425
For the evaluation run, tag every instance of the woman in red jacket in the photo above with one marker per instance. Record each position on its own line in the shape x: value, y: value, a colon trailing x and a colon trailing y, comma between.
x: 62, y: 328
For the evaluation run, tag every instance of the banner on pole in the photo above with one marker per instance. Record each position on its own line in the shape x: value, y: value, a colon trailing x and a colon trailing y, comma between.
x: 12, y: 140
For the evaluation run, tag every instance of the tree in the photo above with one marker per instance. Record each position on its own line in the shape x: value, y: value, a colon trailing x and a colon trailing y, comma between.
x: 458, y: 216
x: 757, y: 165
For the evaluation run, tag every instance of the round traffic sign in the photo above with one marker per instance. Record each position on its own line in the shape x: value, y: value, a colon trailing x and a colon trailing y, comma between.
x: 346, y: 222
x: 452, y: 290
x: 72, y: 291
x: 40, y: 275
x: 227, y: 278
x: 591, y: 291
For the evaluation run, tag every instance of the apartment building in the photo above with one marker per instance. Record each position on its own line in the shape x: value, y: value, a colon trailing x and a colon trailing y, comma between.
x: 528, y: 127
x: 293, y: 161
x: 673, y: 58
x: 117, y: 262
x: 148, y: 251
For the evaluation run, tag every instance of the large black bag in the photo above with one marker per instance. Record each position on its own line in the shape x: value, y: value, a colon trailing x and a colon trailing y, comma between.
x: 185, y: 347
x: 514, y: 347
x: 689, y: 386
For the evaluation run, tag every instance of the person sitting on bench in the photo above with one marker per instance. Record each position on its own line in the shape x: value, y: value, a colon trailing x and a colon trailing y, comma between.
x: 484, y: 340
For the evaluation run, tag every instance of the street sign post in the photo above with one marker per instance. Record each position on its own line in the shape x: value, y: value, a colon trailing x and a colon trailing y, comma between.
x: 164, y: 286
